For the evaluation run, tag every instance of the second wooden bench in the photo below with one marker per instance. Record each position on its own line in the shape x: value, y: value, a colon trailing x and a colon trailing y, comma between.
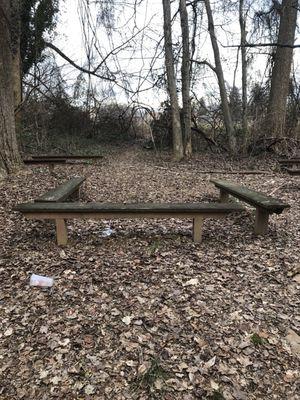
x: 265, y: 205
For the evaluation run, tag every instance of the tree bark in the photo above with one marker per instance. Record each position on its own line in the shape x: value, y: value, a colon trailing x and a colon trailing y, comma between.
x: 17, y: 76
x: 185, y: 78
x: 275, y: 121
x: 10, y: 159
x: 169, y: 62
x: 244, y: 72
x: 220, y: 76
x: 16, y: 51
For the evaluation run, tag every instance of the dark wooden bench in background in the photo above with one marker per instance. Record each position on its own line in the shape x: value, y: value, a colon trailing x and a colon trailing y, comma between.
x: 265, y: 205
x: 63, y: 211
x: 52, y: 160
x: 67, y: 157
x: 290, y: 165
x: 49, y: 162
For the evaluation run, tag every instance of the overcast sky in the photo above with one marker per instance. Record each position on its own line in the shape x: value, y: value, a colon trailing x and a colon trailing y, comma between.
x: 137, y: 58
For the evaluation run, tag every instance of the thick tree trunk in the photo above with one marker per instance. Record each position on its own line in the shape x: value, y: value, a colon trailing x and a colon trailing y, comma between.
x: 281, y: 72
x: 185, y: 77
x: 219, y: 72
x: 9, y: 155
x: 17, y: 76
x: 169, y: 61
x: 244, y: 73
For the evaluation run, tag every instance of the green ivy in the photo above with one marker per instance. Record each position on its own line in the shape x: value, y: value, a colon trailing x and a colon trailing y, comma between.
x: 37, y: 18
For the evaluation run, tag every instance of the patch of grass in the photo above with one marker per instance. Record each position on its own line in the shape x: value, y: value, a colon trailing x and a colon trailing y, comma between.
x: 154, y: 246
x: 146, y: 380
x: 256, y: 339
x: 217, y: 395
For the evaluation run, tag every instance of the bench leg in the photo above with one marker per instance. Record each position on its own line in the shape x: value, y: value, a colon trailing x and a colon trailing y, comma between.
x: 197, y: 229
x: 75, y: 196
x: 261, y: 222
x: 51, y: 169
x: 61, y: 232
x: 224, y: 196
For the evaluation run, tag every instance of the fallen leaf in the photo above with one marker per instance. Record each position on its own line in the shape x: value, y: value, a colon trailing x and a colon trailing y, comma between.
x: 44, y: 374
x: 127, y: 320
x: 294, y: 341
x: 8, y: 332
x: 214, y: 385
x: 55, y: 380
x: 89, y: 389
x: 193, y: 282
x: 210, y: 363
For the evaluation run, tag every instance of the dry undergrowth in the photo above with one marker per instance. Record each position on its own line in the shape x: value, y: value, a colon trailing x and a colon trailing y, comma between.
x: 146, y: 313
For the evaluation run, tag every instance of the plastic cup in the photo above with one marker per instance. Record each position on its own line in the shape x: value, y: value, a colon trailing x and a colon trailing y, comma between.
x: 42, y: 281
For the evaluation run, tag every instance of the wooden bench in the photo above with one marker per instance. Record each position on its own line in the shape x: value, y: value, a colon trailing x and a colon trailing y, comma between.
x: 289, y: 161
x: 290, y: 165
x: 265, y: 205
x: 52, y: 161
x: 62, y: 192
x: 62, y: 211
x: 42, y: 160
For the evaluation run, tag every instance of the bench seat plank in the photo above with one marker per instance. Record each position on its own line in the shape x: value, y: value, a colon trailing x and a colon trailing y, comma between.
x: 68, y: 157
x: 289, y: 161
x: 139, y: 208
x: 44, y: 161
x: 61, y: 192
x: 252, y: 197
x: 293, y: 171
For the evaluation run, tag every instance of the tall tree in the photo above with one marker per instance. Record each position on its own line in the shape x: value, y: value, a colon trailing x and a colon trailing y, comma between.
x: 242, y: 20
x: 10, y: 158
x: 281, y: 70
x: 31, y: 20
x: 220, y: 76
x: 16, y: 52
x: 171, y: 81
x: 186, y: 80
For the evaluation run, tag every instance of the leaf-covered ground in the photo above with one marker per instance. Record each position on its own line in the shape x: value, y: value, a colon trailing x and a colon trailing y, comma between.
x: 145, y: 313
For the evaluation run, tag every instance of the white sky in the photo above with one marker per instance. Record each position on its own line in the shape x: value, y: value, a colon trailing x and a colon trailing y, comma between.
x: 136, y: 59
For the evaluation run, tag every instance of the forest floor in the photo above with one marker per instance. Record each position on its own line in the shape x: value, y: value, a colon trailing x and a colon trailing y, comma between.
x: 145, y: 313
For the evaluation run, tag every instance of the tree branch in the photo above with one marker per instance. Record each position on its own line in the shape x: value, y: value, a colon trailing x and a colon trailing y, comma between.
x: 204, y: 62
x: 53, y: 47
x: 290, y: 46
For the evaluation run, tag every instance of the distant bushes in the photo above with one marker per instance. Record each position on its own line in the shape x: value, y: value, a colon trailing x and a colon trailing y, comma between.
x: 55, y: 122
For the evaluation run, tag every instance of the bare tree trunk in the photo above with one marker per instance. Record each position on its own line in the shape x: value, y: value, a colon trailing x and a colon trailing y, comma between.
x: 244, y: 72
x: 10, y: 158
x: 281, y: 72
x: 16, y: 51
x: 185, y: 77
x: 169, y: 61
x: 221, y: 81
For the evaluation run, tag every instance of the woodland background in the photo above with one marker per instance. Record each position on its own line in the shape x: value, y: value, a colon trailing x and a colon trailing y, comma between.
x: 42, y: 111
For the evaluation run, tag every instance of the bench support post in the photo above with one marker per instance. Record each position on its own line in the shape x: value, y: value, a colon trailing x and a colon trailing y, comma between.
x: 261, y: 221
x: 75, y: 196
x: 197, y: 229
x: 224, y: 196
x: 61, y: 232
x: 51, y: 168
